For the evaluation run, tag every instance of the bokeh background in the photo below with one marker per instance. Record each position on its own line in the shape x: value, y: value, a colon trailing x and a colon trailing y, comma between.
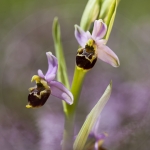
x: 25, y: 37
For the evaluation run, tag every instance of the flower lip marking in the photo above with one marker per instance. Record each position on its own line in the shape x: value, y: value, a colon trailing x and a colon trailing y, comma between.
x: 86, y: 57
x: 39, y: 94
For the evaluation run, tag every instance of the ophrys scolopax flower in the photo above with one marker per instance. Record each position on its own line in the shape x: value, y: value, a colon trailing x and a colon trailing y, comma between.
x: 46, y: 85
x: 93, y: 46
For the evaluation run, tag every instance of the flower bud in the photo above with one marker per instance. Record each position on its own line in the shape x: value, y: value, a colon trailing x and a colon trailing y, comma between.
x: 90, y: 14
x: 108, y: 13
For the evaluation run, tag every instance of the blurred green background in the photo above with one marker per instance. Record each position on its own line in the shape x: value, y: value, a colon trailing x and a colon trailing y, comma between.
x: 25, y: 36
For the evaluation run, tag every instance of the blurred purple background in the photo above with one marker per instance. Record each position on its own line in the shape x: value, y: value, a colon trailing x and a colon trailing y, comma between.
x: 25, y: 37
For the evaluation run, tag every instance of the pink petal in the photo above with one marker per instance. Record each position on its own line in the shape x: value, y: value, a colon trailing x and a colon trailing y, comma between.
x: 88, y: 34
x: 99, y: 30
x: 99, y: 140
x: 60, y: 91
x: 50, y: 77
x: 96, y: 147
x: 81, y: 36
x: 40, y: 73
x: 52, y: 66
x: 107, y: 55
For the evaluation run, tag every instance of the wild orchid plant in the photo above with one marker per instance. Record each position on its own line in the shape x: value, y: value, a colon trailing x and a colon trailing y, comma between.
x: 98, y: 17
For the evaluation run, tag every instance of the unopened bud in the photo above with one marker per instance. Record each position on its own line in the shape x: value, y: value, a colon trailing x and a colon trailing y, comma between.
x: 90, y: 14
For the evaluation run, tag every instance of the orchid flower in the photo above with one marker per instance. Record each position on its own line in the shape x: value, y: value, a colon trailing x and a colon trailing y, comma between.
x: 93, y: 46
x: 46, y: 85
x: 95, y: 140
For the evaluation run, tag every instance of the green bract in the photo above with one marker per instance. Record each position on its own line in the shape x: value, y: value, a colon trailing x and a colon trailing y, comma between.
x: 91, y: 119
x: 90, y: 14
x: 62, y: 69
x: 108, y: 13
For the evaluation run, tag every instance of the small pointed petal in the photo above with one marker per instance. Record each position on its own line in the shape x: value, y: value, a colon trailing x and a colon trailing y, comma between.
x: 98, y: 137
x: 60, y: 91
x: 99, y: 30
x: 99, y: 141
x: 102, y: 41
x: 50, y: 77
x: 101, y: 136
x: 88, y: 34
x: 96, y: 146
x: 81, y: 36
x: 52, y: 66
x: 107, y: 55
x: 40, y: 73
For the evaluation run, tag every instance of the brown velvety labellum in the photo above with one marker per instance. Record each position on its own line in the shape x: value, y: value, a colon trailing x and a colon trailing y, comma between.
x: 86, y: 57
x: 38, y: 96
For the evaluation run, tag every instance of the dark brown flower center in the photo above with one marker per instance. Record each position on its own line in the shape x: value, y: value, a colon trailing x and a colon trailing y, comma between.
x: 39, y: 94
x: 86, y: 57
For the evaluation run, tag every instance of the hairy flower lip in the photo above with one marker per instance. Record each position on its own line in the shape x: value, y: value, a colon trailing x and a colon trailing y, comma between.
x: 50, y: 86
x: 103, y: 52
x: 87, y: 57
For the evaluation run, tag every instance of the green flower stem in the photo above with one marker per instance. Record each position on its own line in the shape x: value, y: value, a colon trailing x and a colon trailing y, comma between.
x: 79, y: 74
x: 78, y: 79
x: 68, y: 134
x: 76, y: 87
